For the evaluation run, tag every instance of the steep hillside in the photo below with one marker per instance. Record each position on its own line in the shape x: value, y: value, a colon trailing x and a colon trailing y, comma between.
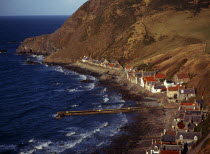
x: 132, y: 31
x: 191, y: 59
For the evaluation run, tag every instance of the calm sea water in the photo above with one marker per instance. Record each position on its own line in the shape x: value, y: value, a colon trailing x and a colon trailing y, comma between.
x: 29, y: 98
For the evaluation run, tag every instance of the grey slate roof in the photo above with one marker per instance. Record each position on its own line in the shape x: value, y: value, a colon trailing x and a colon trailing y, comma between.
x: 139, y: 74
x: 191, y: 126
x: 193, y: 112
x: 149, y: 73
x: 180, y: 115
x: 172, y: 147
x: 159, y: 87
x: 151, y: 82
x: 200, y: 102
x: 196, y: 119
x: 169, y: 81
x: 168, y: 138
x: 187, y: 91
x: 188, y: 135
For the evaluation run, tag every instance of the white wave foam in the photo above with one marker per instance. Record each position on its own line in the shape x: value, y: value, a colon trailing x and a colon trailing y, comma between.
x: 117, y: 98
x: 91, y: 86
x: 106, y: 99
x: 70, y: 134
x: 7, y: 147
x: 59, y: 90
x: 43, y: 145
x: 99, y: 144
x: 104, y: 90
x: 59, y: 69
x: 54, y: 115
x: 83, y: 77
x: 30, y: 141
x: 36, y: 146
x: 76, y: 136
x: 39, y: 58
x: 92, y: 78
x: 99, y: 106
x: 62, y: 70
x: 73, y: 90
x: 89, y: 134
x: 75, y: 105
x: 83, y: 136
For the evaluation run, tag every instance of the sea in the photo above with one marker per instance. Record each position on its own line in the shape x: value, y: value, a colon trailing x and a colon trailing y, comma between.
x: 31, y: 95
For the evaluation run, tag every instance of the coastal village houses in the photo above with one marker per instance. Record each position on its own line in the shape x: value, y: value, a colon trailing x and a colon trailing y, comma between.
x: 189, y: 114
x: 181, y: 78
x: 128, y: 68
x: 103, y: 63
x: 185, y: 94
x: 168, y: 83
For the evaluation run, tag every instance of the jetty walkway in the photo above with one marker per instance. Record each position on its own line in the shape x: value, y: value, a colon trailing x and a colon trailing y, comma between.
x: 61, y: 114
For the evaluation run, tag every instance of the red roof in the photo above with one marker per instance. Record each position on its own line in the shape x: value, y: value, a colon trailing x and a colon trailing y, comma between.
x: 128, y: 67
x: 183, y: 76
x: 151, y: 78
x: 170, y: 132
x: 175, y: 88
x: 169, y: 152
x: 180, y: 125
x: 189, y: 104
x: 160, y: 76
x: 164, y: 89
x: 169, y: 143
x: 111, y: 65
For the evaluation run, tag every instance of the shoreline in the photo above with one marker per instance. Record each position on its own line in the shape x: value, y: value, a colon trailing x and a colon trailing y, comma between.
x: 142, y: 126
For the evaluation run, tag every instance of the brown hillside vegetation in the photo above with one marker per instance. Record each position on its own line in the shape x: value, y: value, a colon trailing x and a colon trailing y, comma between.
x: 190, y: 59
x: 175, y: 35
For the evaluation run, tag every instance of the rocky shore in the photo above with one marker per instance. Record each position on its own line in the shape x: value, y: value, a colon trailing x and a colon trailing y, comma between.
x: 143, y: 126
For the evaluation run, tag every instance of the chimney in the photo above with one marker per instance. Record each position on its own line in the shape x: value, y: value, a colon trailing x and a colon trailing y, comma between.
x: 164, y: 131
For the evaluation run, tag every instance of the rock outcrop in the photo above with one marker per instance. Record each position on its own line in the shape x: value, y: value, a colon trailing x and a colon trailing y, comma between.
x: 30, y: 62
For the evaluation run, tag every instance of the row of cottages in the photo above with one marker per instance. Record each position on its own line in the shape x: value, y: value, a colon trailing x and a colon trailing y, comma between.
x: 181, y: 78
x: 103, y: 63
x: 147, y: 79
x: 182, y: 136
x: 176, y: 92
x: 179, y: 93
x: 153, y: 83
x: 157, y: 83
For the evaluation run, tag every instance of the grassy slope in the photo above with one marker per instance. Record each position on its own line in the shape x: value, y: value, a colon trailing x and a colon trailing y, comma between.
x: 132, y: 32
x: 182, y: 45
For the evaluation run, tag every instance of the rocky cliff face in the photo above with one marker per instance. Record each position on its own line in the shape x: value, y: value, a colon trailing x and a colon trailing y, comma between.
x: 134, y: 31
